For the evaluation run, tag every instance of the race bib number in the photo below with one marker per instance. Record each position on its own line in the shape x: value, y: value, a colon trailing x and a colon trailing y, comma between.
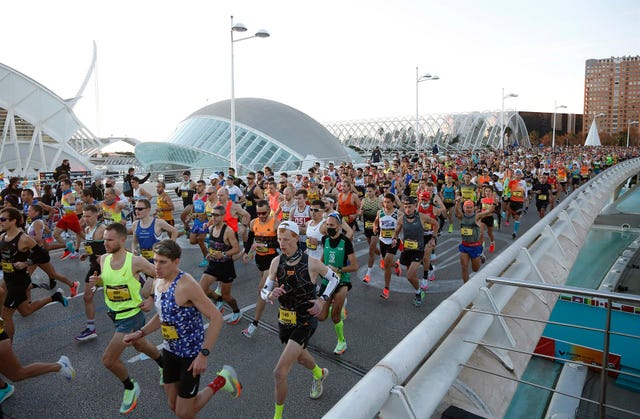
x: 285, y: 216
x: 542, y: 197
x: 118, y: 293
x: 448, y: 200
x: 410, y: 244
x: 169, y: 331
x: 287, y: 317
x: 147, y: 253
x: 88, y: 250
x: 427, y: 226
x: 387, y: 234
x: 466, y: 231
x: 261, y: 248
x: 248, y: 203
x: 311, y: 246
x: 7, y: 267
x: 368, y: 225
x: 214, y: 254
x: 185, y: 194
x: 517, y: 194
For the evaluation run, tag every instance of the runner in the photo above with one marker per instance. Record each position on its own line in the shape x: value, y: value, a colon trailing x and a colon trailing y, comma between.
x: 369, y: 209
x: 292, y: 281
x: 94, y: 249
x: 15, y: 249
x: 147, y: 230
x: 69, y: 221
x: 112, y: 208
x: 186, y: 190
x: 315, y: 230
x: 300, y: 214
x: 489, y: 200
x: 119, y: 275
x: 339, y: 256
x: 262, y: 242
x: 223, y: 244
x: 180, y: 303
x: 429, y: 208
x: 164, y: 204
x: 471, y: 230
x: 252, y: 194
x: 542, y: 189
x: 518, y: 189
x: 198, y: 231
x: 385, y: 225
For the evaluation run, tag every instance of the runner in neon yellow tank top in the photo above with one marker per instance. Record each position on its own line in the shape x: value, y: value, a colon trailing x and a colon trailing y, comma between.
x: 120, y: 271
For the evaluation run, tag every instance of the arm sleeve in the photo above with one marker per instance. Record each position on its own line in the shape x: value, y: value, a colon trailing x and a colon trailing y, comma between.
x: 249, y: 242
x: 266, y: 290
x: 333, y: 279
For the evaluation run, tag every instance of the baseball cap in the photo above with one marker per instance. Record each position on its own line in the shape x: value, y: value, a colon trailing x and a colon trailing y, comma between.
x: 327, y: 179
x: 426, y: 195
x: 291, y: 226
x: 468, y: 203
x: 518, y: 172
x: 213, y: 176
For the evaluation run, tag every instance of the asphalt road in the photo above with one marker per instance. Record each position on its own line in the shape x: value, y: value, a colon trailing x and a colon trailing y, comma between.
x: 374, y: 326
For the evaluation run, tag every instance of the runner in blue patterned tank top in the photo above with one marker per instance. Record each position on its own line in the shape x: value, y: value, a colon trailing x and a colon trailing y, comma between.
x: 180, y: 303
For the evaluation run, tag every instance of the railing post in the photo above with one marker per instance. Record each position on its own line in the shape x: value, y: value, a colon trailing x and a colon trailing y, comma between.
x: 605, y: 363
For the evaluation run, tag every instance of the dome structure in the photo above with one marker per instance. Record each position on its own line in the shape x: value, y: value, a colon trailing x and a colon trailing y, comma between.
x: 267, y: 133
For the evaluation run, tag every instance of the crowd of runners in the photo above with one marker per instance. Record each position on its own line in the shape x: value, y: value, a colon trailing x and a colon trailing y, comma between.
x: 298, y: 229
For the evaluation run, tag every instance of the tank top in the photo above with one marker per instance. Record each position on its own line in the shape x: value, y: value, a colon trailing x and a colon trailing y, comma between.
x: 230, y: 220
x: 299, y: 291
x: 182, y: 327
x: 199, y: 207
x: 110, y: 214
x: 301, y: 218
x: 313, y: 232
x: 273, y: 204
x: 468, y: 191
x: 31, y: 229
x: 147, y: 237
x: 250, y: 201
x: 413, y: 233
x: 345, y: 206
x: 387, y: 225
x: 426, y: 225
x: 370, y: 208
x: 266, y: 239
x: 336, y: 256
x: 469, y: 230
x: 186, y: 193
x: 313, y: 194
x: 121, y: 288
x: 9, y: 254
x: 68, y: 202
x: 217, y: 244
x: 93, y: 248
x: 164, y: 211
x: 449, y: 194
x: 285, y: 210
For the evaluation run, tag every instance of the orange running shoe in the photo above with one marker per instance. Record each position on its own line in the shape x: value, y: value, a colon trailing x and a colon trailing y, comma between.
x: 385, y: 293
x: 397, y: 268
x: 492, y: 247
x: 366, y: 279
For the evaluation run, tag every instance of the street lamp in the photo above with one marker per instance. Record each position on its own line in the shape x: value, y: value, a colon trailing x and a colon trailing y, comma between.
x: 262, y: 33
x: 501, y: 145
x: 553, y: 136
x: 419, y: 79
x: 629, y: 123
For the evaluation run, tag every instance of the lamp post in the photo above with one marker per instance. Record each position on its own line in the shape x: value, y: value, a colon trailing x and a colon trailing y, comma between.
x: 553, y: 135
x: 238, y: 27
x: 419, y: 79
x: 629, y: 123
x: 501, y: 145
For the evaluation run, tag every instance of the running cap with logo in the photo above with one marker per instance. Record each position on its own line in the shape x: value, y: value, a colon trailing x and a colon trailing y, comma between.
x: 291, y: 226
x: 468, y: 203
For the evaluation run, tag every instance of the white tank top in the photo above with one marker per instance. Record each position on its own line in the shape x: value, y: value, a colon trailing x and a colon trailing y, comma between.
x: 314, y: 232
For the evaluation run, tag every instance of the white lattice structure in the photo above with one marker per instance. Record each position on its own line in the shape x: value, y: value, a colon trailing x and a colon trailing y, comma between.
x: 38, y: 128
x: 452, y: 131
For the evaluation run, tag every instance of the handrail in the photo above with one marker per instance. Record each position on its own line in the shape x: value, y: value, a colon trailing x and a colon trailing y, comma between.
x: 432, y: 353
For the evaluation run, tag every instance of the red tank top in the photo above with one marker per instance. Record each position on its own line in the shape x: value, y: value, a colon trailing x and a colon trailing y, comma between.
x: 345, y: 206
x: 230, y: 220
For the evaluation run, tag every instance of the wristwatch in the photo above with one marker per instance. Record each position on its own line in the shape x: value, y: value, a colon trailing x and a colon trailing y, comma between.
x: 325, y: 297
x: 205, y: 351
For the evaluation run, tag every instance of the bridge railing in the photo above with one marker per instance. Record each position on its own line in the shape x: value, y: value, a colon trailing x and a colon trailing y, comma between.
x: 417, y: 374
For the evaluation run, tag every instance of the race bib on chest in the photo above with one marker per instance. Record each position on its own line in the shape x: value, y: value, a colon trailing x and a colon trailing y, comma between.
x: 185, y: 194
x: 7, y: 267
x: 427, y: 226
x: 147, y: 253
x: 169, y: 331
x: 248, y: 203
x: 542, y: 197
x: 311, y: 246
x: 287, y: 317
x: 88, y: 250
x: 410, y: 244
x: 466, y: 231
x: 517, y: 194
x: 261, y: 248
x: 118, y: 293
x: 368, y: 225
x: 285, y: 216
x: 387, y: 234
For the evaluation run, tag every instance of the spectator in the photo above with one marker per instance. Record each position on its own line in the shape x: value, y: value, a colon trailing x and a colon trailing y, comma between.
x: 127, y: 189
x: 63, y: 169
x: 376, y: 156
x: 97, y: 189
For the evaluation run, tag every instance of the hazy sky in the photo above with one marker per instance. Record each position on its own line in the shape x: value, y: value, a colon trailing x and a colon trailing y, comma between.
x: 159, y: 61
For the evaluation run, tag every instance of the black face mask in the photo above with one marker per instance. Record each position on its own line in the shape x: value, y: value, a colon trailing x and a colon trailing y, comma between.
x: 331, y: 231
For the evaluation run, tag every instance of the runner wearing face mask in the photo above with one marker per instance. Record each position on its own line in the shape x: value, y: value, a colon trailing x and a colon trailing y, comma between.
x: 431, y: 226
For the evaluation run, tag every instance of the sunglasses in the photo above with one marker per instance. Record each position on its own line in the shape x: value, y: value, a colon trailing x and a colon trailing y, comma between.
x: 262, y: 212
x: 140, y: 208
x: 250, y: 178
x: 3, y: 219
x: 315, y: 209
x: 213, y: 214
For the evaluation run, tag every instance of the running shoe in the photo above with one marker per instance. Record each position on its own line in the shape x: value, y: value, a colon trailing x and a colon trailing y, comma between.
x: 381, y: 263
x: 219, y: 306
x: 483, y: 258
x: 432, y: 276
x: 418, y: 299
x: 514, y: 235
x: 74, y: 288
x: 6, y: 392
x: 316, y: 386
x: 204, y: 263
x: 450, y: 228
x: 433, y: 256
x: 424, y: 285
x: 249, y: 331
x: 66, y: 369
x: 506, y: 223
x: 87, y: 334
x: 60, y: 298
x: 366, y: 279
x: 73, y: 255
x: 492, y: 247
x: 69, y: 246
x: 385, y: 293
x: 66, y: 254
x: 397, y: 268
x: 231, y: 385
x: 130, y: 399
x: 218, y: 290
x: 235, y: 318
x: 340, y: 348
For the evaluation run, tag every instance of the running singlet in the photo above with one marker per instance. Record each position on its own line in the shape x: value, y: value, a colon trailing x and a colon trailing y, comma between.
x: 300, y: 290
x: 470, y: 231
x: 336, y: 256
x: 387, y: 225
x: 218, y: 246
x: 230, y: 220
x: 110, y: 214
x: 147, y: 237
x: 9, y: 254
x: 370, y: 208
x: 313, y: 232
x: 448, y: 193
x: 413, y: 233
x: 182, y: 327
x: 164, y: 211
x: 121, y: 288
x: 266, y: 239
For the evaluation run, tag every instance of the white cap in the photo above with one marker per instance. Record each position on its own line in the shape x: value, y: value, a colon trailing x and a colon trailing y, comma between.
x: 291, y: 226
x: 213, y: 175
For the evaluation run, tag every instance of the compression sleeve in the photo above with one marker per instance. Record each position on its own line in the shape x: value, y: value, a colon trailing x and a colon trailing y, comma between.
x: 333, y: 279
x: 266, y: 290
x: 249, y: 242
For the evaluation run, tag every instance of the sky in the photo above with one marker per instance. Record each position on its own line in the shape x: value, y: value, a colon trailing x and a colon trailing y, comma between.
x: 159, y: 61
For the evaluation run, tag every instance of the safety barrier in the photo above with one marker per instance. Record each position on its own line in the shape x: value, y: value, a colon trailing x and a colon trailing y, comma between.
x: 414, y: 377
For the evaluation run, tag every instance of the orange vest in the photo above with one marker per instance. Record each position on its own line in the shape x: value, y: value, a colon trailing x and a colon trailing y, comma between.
x: 345, y: 206
x: 265, y: 234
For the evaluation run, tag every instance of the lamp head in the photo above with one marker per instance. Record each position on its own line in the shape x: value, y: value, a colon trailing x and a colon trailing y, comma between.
x: 239, y: 27
x: 561, y: 107
x: 511, y: 95
x: 262, y: 33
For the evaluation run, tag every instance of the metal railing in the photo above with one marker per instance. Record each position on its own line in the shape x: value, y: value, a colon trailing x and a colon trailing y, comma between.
x: 420, y: 370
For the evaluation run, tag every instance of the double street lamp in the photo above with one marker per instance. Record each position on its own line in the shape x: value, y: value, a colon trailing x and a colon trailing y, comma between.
x: 501, y: 145
x: 262, y: 33
x: 553, y: 135
x: 420, y: 79
x: 629, y: 123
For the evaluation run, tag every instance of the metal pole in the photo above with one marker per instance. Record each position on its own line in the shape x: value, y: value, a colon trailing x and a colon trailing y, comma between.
x: 501, y: 144
x: 605, y: 363
x: 232, y: 156
x: 553, y: 135
x: 628, y: 128
x: 416, y: 127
